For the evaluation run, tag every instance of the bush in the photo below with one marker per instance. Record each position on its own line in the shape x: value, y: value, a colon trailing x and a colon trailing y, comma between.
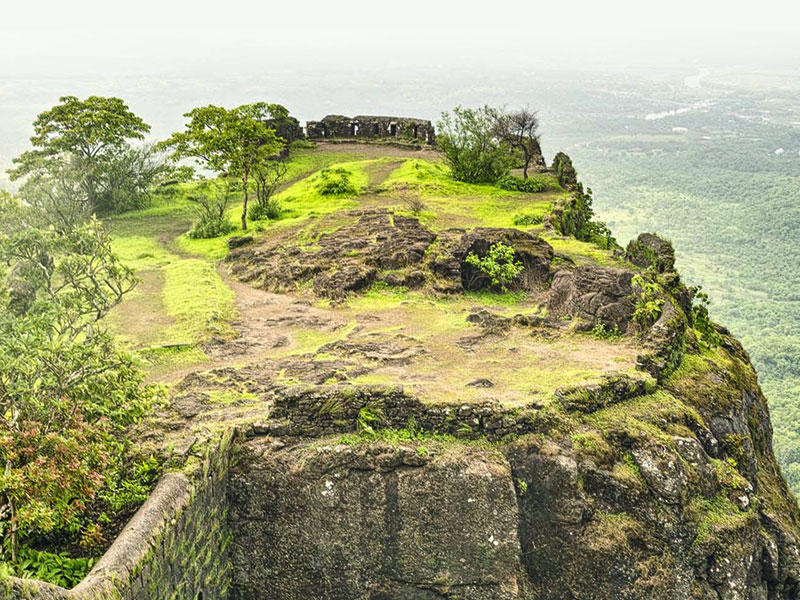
x: 58, y: 569
x: 336, y: 182
x: 499, y: 265
x: 268, y: 211
x: 523, y: 219
x: 212, y: 205
x: 211, y: 228
x: 531, y: 185
x: 468, y: 140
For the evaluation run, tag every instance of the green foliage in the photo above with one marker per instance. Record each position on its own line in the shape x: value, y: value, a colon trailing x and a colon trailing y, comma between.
x: 499, y: 265
x: 649, y: 301
x: 702, y: 323
x: 532, y: 185
x: 58, y: 569
x: 367, y: 416
x: 336, y: 182
x: 268, y: 175
x: 236, y: 142
x: 211, y: 199
x: 602, y: 332
x: 270, y: 210
x: 527, y: 219
x: 471, y: 148
x: 94, y: 129
x: 72, y: 277
x: 82, y: 162
x: 66, y: 393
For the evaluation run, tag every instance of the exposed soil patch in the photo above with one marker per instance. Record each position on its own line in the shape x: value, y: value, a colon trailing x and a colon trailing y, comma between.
x: 143, y: 311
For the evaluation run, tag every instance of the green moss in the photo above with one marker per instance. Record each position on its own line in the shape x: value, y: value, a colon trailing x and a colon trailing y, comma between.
x: 590, y: 444
x: 717, y: 518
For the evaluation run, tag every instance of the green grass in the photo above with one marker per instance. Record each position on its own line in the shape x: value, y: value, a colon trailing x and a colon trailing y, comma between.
x: 583, y: 252
x: 140, y: 252
x: 199, y: 301
x: 449, y: 203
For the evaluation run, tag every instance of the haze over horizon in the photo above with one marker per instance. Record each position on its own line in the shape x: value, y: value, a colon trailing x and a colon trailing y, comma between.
x: 198, y: 37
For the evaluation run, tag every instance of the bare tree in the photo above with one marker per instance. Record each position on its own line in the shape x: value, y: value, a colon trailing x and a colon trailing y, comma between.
x: 519, y: 130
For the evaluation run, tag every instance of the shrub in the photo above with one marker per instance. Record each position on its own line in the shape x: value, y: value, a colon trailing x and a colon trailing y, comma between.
x: 531, y: 185
x: 702, y: 322
x: 270, y: 210
x: 602, y: 332
x: 648, y: 303
x: 468, y: 140
x: 212, y: 206
x: 523, y: 219
x: 336, y: 182
x: 499, y: 265
x: 414, y: 205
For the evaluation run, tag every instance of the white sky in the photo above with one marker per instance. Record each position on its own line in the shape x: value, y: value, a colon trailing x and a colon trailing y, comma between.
x: 158, y: 31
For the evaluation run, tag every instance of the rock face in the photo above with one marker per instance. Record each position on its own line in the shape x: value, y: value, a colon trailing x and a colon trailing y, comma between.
x: 641, y: 500
x: 376, y: 522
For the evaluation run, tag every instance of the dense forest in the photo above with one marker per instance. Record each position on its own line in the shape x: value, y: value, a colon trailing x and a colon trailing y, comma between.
x: 726, y: 191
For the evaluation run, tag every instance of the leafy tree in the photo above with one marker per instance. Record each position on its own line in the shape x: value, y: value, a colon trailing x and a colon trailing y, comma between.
x: 73, y: 276
x: 233, y: 142
x: 92, y: 131
x: 468, y: 139
x: 66, y: 393
x: 519, y: 130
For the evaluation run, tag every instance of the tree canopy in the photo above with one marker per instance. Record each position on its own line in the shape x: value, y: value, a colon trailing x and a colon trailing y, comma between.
x: 82, y: 161
x: 93, y: 128
x: 469, y: 141
x: 232, y: 142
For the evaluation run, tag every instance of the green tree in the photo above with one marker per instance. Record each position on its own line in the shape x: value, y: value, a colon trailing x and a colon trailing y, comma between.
x: 94, y: 131
x: 469, y: 141
x: 232, y: 142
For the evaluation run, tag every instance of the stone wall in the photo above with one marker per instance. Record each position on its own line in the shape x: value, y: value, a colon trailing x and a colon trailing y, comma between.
x: 372, y: 127
x: 316, y: 411
x: 174, y: 548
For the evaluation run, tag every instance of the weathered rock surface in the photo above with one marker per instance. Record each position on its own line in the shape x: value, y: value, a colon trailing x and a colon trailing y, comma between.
x: 378, y: 245
x: 376, y: 521
x: 649, y: 250
x: 596, y: 294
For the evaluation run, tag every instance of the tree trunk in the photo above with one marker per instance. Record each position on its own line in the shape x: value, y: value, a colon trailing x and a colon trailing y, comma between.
x: 525, y: 168
x: 244, y: 203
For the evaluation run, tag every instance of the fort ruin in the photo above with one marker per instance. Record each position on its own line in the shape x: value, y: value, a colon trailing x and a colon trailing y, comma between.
x: 371, y: 127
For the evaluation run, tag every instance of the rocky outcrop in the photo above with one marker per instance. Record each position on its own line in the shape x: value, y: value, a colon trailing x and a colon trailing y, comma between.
x: 669, y: 495
x: 351, y: 258
x: 378, y: 245
x: 596, y: 294
x: 651, y: 251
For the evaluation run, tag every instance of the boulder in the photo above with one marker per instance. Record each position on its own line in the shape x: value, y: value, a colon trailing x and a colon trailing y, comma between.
x: 595, y: 294
x: 651, y: 251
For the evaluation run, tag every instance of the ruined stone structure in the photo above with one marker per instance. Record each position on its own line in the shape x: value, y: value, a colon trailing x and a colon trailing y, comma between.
x: 371, y: 127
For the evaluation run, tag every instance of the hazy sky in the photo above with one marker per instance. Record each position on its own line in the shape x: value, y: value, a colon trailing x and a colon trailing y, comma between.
x: 159, y: 34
